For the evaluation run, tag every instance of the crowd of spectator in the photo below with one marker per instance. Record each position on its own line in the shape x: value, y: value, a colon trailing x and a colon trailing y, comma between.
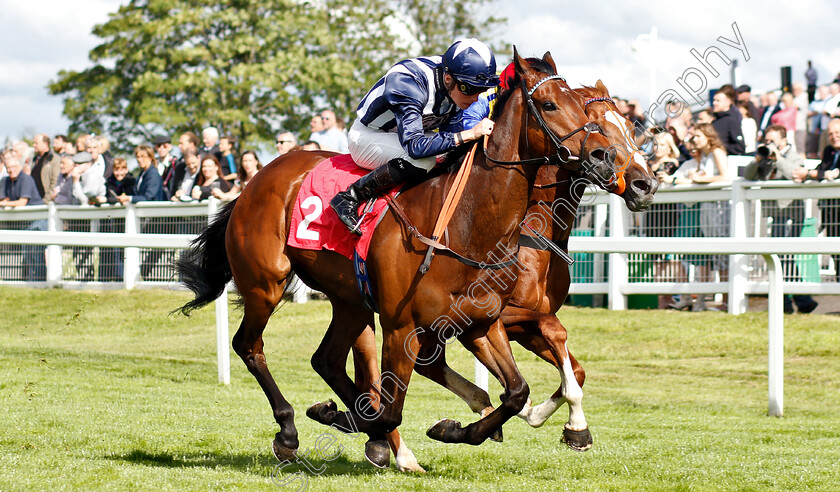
x: 778, y: 130
x: 84, y: 172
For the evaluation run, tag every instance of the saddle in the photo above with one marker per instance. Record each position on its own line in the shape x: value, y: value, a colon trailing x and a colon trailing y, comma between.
x: 315, y: 225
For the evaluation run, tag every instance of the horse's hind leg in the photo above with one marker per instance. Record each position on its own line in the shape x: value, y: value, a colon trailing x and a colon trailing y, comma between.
x: 248, y: 344
x: 367, y: 376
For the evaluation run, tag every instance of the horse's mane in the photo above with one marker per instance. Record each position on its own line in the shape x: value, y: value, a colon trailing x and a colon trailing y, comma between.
x: 537, y: 64
x: 591, y: 91
x: 454, y: 158
x: 588, y: 89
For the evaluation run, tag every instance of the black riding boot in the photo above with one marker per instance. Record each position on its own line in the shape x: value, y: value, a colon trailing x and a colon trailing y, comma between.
x: 346, y: 203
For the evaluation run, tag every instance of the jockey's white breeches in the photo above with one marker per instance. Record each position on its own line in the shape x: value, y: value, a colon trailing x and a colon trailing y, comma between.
x: 372, y: 148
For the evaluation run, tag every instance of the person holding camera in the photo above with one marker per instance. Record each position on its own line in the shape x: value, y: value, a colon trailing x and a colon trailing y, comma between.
x: 774, y: 158
x: 777, y: 159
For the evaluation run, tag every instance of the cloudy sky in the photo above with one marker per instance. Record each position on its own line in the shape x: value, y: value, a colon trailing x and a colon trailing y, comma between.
x: 588, y: 40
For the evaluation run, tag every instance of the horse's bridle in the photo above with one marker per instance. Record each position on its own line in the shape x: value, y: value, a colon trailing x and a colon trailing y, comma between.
x: 619, y: 181
x: 563, y: 155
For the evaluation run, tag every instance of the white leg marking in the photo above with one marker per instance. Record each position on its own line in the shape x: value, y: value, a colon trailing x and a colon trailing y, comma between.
x: 523, y: 414
x: 573, y: 394
x: 536, y: 416
x: 406, y: 462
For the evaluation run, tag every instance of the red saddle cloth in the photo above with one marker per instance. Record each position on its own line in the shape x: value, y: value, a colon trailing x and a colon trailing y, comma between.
x: 316, y: 226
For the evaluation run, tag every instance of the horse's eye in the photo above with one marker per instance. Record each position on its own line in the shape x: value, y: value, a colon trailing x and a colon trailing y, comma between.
x: 549, y: 106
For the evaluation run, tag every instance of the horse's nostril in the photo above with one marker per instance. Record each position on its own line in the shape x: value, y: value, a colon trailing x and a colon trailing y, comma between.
x: 641, y: 185
x: 598, y: 154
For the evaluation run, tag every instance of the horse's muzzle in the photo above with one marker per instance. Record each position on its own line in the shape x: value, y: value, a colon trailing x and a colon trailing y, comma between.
x: 600, y: 168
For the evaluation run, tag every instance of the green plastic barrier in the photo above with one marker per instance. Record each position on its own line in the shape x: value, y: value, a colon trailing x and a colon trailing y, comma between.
x: 808, y: 265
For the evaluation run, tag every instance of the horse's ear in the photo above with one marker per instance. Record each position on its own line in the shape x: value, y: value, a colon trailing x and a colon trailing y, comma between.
x: 520, y: 64
x: 602, y: 88
x: 548, y: 59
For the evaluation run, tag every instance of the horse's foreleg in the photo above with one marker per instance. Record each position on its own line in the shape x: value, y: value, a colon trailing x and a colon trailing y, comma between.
x: 493, y: 350
x: 367, y: 378
x: 248, y: 344
x: 432, y: 365
x: 439, y: 371
x: 576, y: 431
x: 544, y: 335
x: 361, y: 415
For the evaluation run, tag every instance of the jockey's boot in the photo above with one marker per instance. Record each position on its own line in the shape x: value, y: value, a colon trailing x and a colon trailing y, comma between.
x: 346, y: 203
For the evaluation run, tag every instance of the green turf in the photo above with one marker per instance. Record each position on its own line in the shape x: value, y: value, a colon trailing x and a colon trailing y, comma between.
x: 103, y: 390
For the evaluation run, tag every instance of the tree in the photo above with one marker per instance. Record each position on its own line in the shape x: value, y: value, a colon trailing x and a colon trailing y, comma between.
x: 247, y: 67
x: 435, y: 24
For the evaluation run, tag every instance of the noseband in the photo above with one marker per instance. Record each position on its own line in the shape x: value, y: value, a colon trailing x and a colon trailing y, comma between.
x: 563, y: 154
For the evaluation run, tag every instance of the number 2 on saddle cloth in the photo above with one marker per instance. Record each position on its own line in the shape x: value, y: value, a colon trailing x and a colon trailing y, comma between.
x: 315, y: 226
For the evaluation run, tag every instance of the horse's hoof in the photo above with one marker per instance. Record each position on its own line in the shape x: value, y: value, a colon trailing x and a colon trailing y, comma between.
x: 497, y: 435
x: 446, y: 430
x: 323, y: 412
x: 378, y: 453
x: 577, y: 440
x: 282, y: 452
x: 406, y: 462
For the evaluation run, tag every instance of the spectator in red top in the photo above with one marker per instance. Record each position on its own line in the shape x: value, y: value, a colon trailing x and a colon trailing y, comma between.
x: 787, y: 116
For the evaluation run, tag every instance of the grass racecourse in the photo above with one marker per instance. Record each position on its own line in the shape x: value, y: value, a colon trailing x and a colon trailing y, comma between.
x: 103, y: 390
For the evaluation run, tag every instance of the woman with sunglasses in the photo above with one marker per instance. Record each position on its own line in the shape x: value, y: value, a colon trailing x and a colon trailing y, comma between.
x: 393, y: 132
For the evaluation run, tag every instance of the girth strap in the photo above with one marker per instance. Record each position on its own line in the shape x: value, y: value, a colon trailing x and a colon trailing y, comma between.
x: 435, y: 245
x: 542, y: 243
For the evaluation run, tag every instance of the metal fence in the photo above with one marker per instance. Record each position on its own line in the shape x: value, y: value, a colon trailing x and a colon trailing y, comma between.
x: 104, y: 265
x: 739, y: 210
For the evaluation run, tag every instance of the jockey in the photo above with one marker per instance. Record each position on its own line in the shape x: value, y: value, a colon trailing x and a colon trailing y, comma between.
x: 393, y: 135
x: 483, y: 107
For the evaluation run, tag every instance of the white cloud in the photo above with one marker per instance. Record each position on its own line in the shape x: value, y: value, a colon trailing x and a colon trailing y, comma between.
x: 588, y: 40
x: 47, y: 36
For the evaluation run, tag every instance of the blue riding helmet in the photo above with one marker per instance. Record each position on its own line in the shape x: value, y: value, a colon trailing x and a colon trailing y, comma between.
x: 472, y: 62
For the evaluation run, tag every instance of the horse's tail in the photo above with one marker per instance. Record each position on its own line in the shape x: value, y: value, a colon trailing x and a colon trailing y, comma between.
x: 204, y: 268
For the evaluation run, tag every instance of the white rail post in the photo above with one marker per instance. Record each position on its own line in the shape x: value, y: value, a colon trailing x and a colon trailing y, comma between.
x: 776, y: 337
x: 221, y: 304
x: 618, y: 269
x: 600, y: 230
x: 54, y: 259
x: 222, y: 337
x: 300, y: 292
x: 481, y: 375
x: 738, y: 264
x: 131, y: 259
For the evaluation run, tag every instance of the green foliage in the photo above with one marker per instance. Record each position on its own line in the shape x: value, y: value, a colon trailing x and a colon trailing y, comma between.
x: 435, y: 24
x: 104, y: 390
x: 245, y: 66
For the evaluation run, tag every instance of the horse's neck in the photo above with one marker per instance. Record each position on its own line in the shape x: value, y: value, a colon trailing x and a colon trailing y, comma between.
x: 557, y: 206
x: 498, y: 195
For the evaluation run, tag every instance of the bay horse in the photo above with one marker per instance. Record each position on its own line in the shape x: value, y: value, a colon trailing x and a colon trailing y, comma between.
x: 247, y: 242
x: 544, y: 279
